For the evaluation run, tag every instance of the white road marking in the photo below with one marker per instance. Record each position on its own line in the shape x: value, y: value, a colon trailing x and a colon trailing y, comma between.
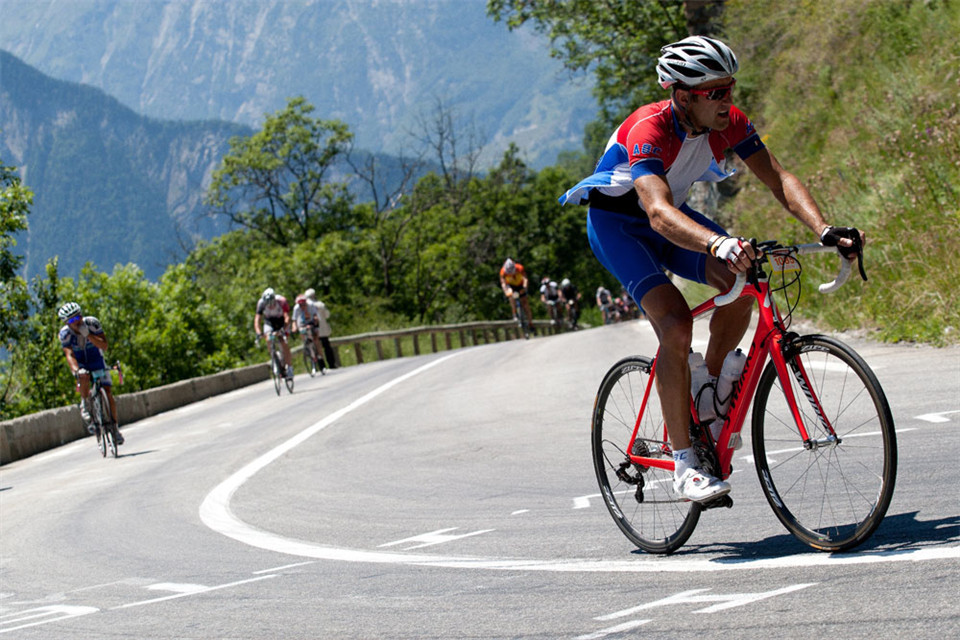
x: 216, y: 514
x: 61, y: 612
x: 727, y: 601
x: 434, y: 537
x: 937, y: 417
x: 178, y: 587
x: 620, y: 628
x: 519, y: 511
x: 286, y: 566
x: 191, y: 593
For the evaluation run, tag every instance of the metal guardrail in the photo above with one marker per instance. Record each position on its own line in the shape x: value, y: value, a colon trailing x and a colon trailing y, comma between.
x: 470, y: 333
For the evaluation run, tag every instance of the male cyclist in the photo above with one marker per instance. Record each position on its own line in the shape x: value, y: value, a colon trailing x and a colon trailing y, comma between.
x: 639, y: 224
x: 513, y: 277
x: 306, y: 320
x: 605, y: 304
x: 571, y: 298
x: 550, y: 296
x: 275, y: 310
x: 83, y: 340
x: 324, y: 331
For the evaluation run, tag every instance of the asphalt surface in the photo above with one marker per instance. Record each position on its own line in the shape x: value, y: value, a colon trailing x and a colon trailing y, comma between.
x: 460, y: 501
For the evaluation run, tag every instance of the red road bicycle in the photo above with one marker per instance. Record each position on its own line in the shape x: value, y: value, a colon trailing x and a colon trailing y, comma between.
x: 823, y: 436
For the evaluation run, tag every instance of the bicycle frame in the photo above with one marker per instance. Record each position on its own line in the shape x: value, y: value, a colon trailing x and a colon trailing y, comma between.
x: 768, y: 342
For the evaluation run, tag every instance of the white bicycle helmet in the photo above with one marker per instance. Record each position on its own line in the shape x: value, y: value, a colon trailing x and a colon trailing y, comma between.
x: 565, y: 282
x: 509, y: 266
x: 268, y: 295
x: 695, y: 60
x: 68, y: 310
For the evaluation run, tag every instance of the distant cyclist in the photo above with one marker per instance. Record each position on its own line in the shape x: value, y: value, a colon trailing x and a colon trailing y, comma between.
x: 275, y: 310
x: 324, y: 332
x: 513, y: 277
x: 571, y: 300
x: 83, y: 341
x: 550, y: 296
x: 605, y: 304
x: 306, y: 320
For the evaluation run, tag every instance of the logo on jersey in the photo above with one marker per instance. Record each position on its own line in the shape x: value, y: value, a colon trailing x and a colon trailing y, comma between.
x: 647, y: 149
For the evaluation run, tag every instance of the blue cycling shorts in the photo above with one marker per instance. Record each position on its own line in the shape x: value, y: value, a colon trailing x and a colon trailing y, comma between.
x: 637, y: 255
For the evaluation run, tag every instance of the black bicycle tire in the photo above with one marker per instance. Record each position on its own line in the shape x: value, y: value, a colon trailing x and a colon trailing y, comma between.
x: 675, y: 534
x: 835, y: 537
x: 309, y: 361
x: 96, y: 415
x: 276, y: 368
x: 111, y: 426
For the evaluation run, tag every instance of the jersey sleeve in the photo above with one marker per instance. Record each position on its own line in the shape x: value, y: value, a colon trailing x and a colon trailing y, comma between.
x: 647, y: 147
x: 741, y: 136
x: 65, y: 338
x: 94, y: 325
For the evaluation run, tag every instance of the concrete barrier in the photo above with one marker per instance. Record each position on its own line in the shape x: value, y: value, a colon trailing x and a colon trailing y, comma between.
x: 27, y: 435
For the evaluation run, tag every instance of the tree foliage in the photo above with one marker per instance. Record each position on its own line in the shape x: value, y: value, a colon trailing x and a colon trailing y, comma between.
x: 617, y: 40
x: 276, y: 181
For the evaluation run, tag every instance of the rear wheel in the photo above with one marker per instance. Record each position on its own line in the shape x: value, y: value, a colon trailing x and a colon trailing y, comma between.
x: 640, y: 499
x: 832, y: 491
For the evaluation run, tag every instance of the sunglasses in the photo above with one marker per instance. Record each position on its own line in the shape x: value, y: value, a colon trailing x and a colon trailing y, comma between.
x: 76, y: 318
x: 717, y: 93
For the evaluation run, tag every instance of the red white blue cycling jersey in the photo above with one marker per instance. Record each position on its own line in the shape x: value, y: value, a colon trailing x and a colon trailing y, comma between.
x: 651, y: 141
x: 88, y: 355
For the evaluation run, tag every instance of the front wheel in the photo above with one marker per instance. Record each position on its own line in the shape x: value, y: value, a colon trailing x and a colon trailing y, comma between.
x: 276, y: 369
x: 310, y: 358
x: 832, y: 491
x: 98, y: 407
x: 640, y: 498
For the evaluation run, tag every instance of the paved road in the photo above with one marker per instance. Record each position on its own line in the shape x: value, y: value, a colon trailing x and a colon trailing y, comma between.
x: 453, y: 496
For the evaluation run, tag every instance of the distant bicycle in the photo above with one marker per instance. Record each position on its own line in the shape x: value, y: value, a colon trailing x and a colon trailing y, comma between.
x: 522, y: 318
x: 278, y: 370
x: 311, y: 359
x: 104, y: 428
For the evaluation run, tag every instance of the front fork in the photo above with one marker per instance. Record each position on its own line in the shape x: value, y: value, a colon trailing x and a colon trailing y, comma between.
x: 794, y: 369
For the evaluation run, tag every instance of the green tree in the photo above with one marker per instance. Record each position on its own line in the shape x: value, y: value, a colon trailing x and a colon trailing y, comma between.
x: 15, y: 201
x: 276, y: 182
x: 618, y: 40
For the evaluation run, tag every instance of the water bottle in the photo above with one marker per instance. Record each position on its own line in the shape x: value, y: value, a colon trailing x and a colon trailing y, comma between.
x: 729, y: 375
x: 700, y: 384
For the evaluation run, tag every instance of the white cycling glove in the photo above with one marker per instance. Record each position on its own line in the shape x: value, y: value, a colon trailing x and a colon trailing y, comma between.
x: 727, y: 249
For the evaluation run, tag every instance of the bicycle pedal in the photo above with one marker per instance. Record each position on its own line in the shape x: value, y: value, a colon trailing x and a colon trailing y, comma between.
x: 722, y: 501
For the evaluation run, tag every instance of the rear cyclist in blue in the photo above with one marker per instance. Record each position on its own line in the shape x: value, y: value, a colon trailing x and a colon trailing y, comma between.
x: 639, y: 223
x: 83, y: 340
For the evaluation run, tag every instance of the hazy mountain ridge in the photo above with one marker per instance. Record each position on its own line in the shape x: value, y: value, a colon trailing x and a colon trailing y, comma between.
x: 110, y: 185
x: 371, y: 64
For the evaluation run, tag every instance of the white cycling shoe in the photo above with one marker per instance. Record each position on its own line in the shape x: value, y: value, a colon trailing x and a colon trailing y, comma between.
x: 697, y: 486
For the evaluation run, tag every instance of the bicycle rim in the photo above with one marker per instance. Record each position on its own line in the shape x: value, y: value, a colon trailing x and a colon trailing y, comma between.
x: 308, y: 361
x: 109, y: 430
x: 96, y: 412
x: 276, y: 370
x: 832, y: 496
x: 660, y: 523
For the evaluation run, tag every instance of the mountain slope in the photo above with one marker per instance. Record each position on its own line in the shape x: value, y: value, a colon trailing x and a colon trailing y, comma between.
x: 110, y: 186
x: 373, y: 64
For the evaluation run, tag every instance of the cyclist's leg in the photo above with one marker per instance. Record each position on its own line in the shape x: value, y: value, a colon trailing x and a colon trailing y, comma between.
x: 673, y: 323
x: 728, y: 324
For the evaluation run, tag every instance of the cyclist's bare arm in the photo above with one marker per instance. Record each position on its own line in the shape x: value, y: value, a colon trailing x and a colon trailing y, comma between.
x: 787, y: 189
x: 673, y: 224
x: 256, y: 324
x: 99, y: 341
x: 71, y: 360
